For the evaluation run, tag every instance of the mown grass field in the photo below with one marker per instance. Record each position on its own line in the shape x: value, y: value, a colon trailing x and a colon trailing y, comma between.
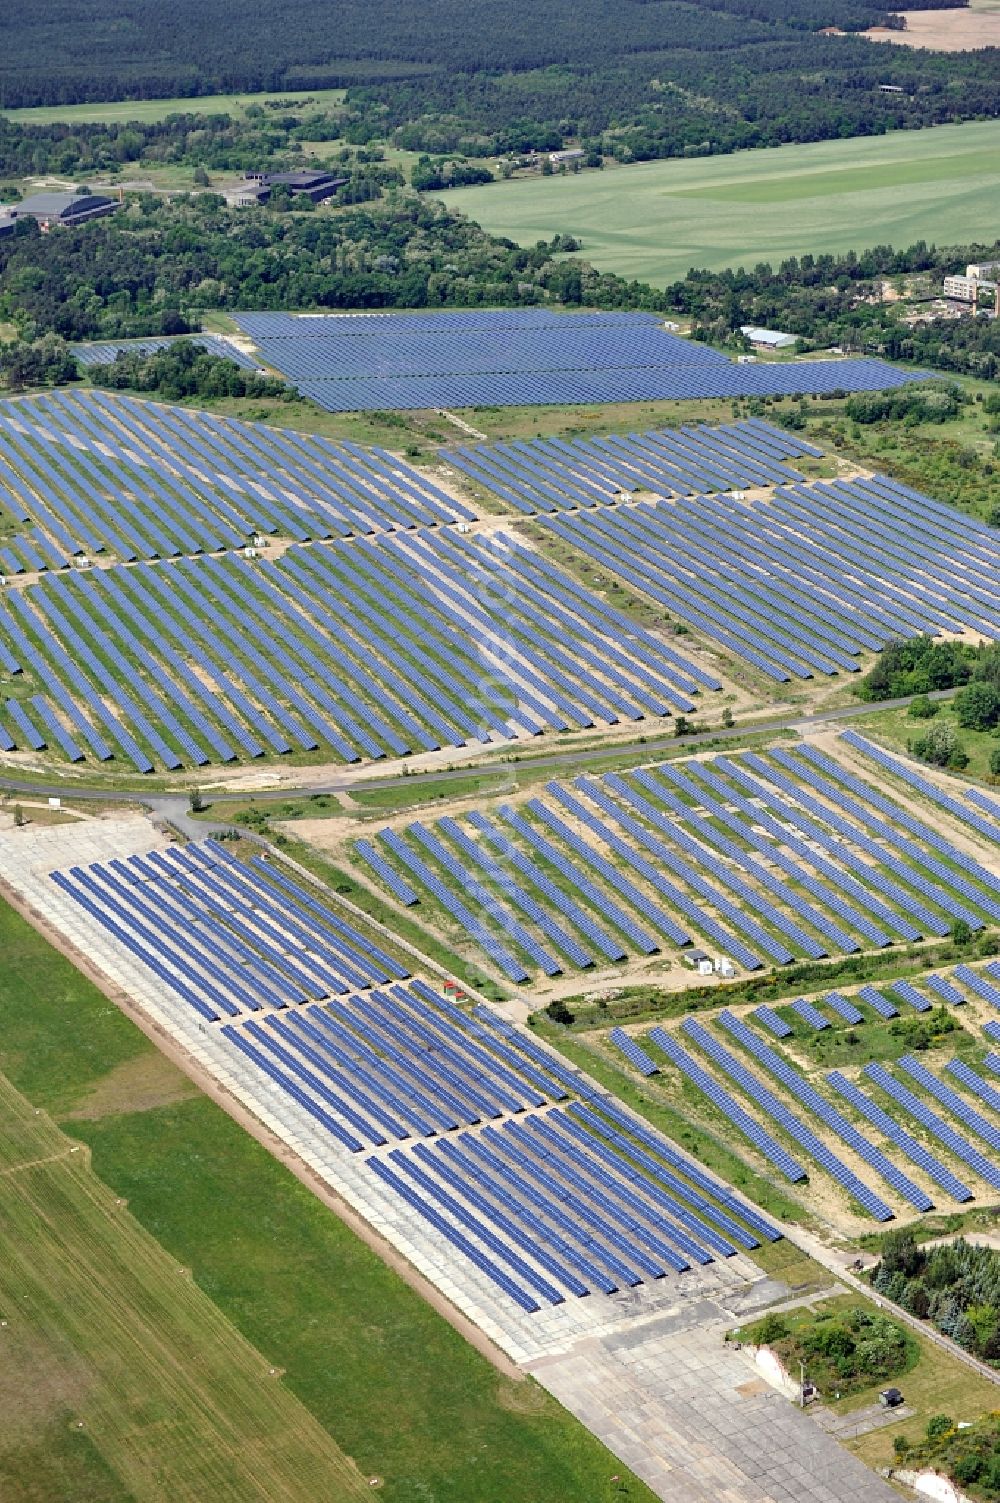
x: 397, y: 1389
x: 896, y: 727
x: 158, y: 109
x: 657, y: 219
x: 122, y: 1346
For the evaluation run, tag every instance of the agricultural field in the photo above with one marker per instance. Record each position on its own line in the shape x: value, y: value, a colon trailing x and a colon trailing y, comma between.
x: 139, y: 1383
x: 656, y: 220
x: 962, y: 29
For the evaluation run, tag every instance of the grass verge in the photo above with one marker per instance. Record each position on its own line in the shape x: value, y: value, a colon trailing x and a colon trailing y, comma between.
x: 398, y: 1389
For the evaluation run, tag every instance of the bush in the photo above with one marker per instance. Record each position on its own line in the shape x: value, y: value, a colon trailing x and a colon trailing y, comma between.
x: 940, y: 747
x: 846, y: 1350
x: 923, y: 708
x: 767, y: 1331
x: 977, y: 707
x: 939, y: 1425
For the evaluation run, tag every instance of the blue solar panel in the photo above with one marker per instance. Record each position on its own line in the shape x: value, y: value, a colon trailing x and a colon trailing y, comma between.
x: 833, y: 1119
x: 843, y: 1008
x: 791, y: 1124
x: 633, y: 1052
x: 810, y: 1014
x: 935, y: 1124
x: 909, y: 1145
x: 523, y: 357
x: 772, y: 1021
x: 974, y: 1083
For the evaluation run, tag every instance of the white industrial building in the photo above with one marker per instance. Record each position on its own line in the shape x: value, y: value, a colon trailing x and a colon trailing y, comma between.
x: 768, y: 339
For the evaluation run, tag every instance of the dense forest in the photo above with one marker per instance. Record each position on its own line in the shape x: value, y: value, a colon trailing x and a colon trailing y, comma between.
x: 727, y: 88
x: 836, y: 300
x: 638, y: 79
x: 956, y: 1286
x: 151, y: 267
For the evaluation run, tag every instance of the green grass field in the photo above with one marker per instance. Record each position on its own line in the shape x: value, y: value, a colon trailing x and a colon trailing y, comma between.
x: 121, y: 1346
x: 897, y: 727
x: 657, y: 219
x: 158, y: 109
x: 397, y: 1389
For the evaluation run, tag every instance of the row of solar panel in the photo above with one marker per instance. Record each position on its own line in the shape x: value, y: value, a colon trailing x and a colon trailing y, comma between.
x: 347, y: 363
x: 404, y: 326
x: 944, y: 991
x: 411, y: 643
x: 796, y: 598
x: 820, y: 1110
x: 582, y: 1199
x: 567, y: 346
x: 107, y: 473
x: 989, y: 828
x: 675, y: 382
x: 576, y: 1201
x: 555, y: 474
x: 757, y: 861
x: 230, y: 938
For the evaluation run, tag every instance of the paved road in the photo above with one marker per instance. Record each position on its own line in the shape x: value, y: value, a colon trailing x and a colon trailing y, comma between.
x: 175, y: 806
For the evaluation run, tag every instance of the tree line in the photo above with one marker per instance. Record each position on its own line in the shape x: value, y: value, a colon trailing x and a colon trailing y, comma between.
x: 956, y: 1286
x: 832, y: 300
x: 184, y: 369
x: 643, y: 79
x: 153, y: 266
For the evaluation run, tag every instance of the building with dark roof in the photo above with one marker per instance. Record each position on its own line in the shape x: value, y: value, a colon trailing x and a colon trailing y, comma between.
x: 315, y: 185
x: 61, y: 208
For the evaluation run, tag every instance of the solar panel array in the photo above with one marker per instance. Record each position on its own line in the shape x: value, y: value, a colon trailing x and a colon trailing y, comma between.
x: 749, y: 1083
x: 348, y: 362
x: 471, y: 1124
x: 581, y: 1199
x: 229, y: 938
x: 988, y: 828
x: 553, y: 474
x: 801, y: 582
x: 106, y: 352
x: 766, y: 857
x: 364, y: 648
x: 101, y: 474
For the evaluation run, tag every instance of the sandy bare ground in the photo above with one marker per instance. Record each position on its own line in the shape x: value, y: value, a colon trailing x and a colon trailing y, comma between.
x: 960, y: 30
